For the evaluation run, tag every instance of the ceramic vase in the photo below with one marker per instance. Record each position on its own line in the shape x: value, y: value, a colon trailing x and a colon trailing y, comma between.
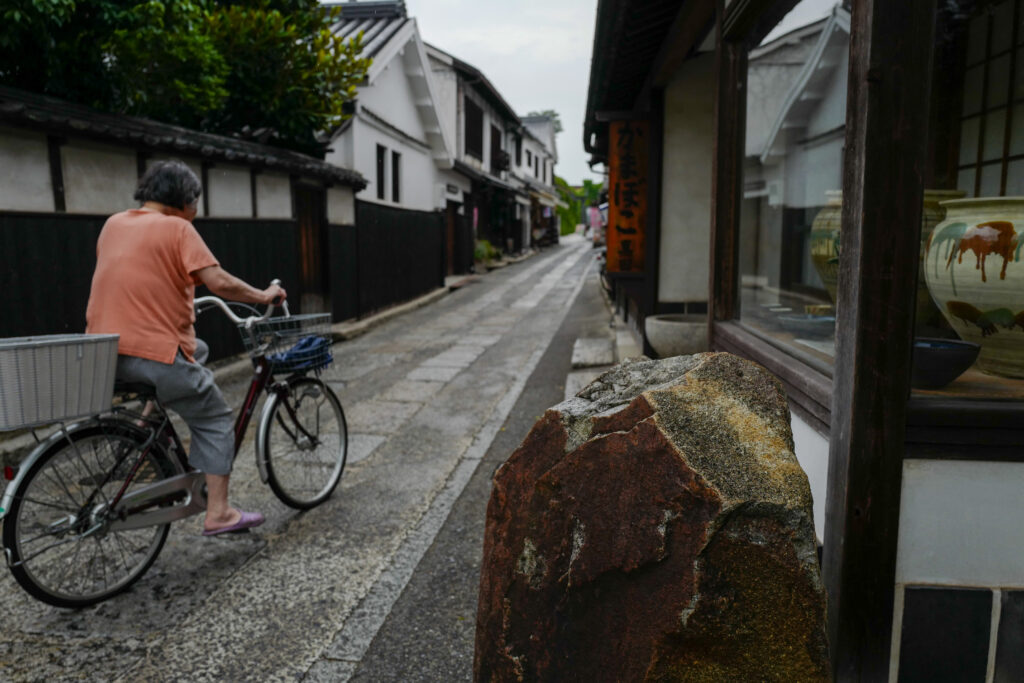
x: 975, y: 276
x: 825, y: 241
x: 825, y: 235
x: 932, y: 213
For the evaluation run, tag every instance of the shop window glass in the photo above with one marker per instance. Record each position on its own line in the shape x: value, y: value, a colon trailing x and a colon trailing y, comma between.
x: 971, y: 279
x: 792, y: 177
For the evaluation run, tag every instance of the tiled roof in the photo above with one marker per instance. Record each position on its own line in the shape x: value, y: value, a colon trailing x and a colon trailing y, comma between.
x: 57, y: 116
x: 377, y: 20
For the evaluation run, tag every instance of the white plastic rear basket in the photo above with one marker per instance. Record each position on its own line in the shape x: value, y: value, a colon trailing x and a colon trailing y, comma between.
x: 55, y: 377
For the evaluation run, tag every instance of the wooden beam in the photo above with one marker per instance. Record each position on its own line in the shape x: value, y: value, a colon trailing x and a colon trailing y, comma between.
x: 689, y: 27
x: 53, y: 145
x: 749, y: 21
x: 882, y: 189
x: 655, y: 176
x: 726, y: 176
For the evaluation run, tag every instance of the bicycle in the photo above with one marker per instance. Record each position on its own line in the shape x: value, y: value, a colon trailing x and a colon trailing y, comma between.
x: 90, y: 508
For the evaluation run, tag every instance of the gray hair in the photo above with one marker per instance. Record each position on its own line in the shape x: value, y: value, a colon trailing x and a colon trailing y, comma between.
x: 171, y: 183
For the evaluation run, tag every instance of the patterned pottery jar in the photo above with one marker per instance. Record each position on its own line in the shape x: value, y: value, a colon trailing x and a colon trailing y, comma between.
x: 824, y: 240
x: 932, y: 213
x: 975, y: 275
x: 825, y: 234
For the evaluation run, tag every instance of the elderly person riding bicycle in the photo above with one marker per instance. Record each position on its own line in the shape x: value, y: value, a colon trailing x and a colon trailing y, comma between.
x: 148, y: 263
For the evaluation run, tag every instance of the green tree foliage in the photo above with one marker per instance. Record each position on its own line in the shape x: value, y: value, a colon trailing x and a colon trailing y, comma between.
x: 577, y: 199
x: 164, y: 63
x: 290, y: 76
x: 571, y: 214
x: 553, y: 115
x: 270, y: 70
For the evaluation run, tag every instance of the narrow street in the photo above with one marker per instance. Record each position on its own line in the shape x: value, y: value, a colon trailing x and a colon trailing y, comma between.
x: 378, y: 583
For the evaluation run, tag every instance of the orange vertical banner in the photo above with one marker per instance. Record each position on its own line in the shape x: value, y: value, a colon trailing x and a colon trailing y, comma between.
x: 627, y: 196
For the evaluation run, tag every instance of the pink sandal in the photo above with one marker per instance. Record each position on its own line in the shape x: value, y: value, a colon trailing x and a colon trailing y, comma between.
x: 247, y: 521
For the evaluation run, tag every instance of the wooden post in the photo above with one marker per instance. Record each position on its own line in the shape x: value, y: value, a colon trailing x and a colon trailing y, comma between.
x: 891, y: 45
x: 727, y: 176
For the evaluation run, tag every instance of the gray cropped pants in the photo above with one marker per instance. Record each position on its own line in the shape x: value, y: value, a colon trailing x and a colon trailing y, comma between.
x: 189, y: 390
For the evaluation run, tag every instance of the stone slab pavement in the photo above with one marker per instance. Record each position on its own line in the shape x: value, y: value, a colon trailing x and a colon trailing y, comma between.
x: 426, y: 394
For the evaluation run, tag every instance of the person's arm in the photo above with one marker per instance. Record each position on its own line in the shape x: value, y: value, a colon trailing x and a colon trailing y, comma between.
x: 225, y: 285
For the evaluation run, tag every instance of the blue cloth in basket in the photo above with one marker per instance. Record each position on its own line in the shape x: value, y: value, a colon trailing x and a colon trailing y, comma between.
x: 309, y: 353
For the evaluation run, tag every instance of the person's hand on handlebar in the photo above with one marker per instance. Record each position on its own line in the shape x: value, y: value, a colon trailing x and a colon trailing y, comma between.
x: 227, y: 286
x: 274, y: 294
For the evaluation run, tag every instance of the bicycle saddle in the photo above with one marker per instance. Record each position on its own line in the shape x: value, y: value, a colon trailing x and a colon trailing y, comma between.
x: 140, y: 388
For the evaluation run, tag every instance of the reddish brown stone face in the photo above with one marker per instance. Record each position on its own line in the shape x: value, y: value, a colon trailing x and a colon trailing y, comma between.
x: 619, y: 560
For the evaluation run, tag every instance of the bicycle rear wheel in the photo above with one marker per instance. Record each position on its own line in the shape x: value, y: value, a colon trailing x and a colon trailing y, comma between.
x: 61, y: 549
x: 303, y: 440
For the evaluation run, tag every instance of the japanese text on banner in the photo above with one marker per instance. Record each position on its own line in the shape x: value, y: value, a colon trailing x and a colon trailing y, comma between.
x: 627, y: 196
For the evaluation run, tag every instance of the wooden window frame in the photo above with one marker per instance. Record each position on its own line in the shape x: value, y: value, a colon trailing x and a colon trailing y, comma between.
x: 864, y: 404
x: 474, y: 129
x: 382, y: 157
x: 1008, y: 106
x: 496, y: 150
x: 396, y: 173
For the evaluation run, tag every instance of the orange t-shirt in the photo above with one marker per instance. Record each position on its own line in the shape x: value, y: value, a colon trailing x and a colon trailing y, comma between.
x: 144, y: 284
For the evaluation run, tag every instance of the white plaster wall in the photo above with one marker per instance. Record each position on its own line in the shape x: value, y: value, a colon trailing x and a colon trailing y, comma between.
x: 811, y: 450
x: 391, y: 97
x: 462, y: 184
x: 686, y: 183
x: 545, y: 132
x: 770, y: 75
x: 273, y: 196
x: 99, y: 179
x: 446, y: 91
x: 24, y: 171
x: 341, y: 206
x: 230, y: 192
x: 194, y: 165
x: 831, y: 113
x: 812, y: 170
x: 961, y: 523
x: 418, y: 175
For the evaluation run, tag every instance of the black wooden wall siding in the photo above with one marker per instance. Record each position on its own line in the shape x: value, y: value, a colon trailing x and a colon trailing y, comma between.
x: 399, y: 254
x: 394, y: 256
x: 47, y: 265
x: 257, y: 252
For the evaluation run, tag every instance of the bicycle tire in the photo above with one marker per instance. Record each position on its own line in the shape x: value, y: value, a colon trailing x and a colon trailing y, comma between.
x: 84, y: 564
x: 303, y: 474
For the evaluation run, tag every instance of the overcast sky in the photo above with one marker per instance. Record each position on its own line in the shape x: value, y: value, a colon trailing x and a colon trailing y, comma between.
x: 535, y: 52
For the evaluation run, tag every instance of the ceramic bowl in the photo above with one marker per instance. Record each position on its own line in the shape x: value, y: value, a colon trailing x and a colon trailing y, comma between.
x: 677, y: 334
x: 937, y: 362
x: 808, y: 326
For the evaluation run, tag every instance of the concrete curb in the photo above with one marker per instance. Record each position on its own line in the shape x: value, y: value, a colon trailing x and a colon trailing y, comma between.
x: 351, y: 329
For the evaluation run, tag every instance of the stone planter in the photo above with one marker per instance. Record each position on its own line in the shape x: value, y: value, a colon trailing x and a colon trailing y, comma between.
x: 677, y: 334
x: 975, y: 276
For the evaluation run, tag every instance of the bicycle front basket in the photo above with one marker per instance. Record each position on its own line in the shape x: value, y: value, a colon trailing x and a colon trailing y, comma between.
x: 297, y: 343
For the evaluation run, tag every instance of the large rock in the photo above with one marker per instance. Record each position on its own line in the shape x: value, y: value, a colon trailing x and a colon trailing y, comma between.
x: 655, y: 527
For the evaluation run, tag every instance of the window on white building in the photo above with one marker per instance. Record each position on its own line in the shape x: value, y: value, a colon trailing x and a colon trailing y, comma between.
x: 382, y: 157
x: 396, y: 172
x: 474, y: 130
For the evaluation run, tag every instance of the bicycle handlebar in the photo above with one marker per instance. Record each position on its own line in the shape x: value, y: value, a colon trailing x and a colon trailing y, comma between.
x: 249, y: 321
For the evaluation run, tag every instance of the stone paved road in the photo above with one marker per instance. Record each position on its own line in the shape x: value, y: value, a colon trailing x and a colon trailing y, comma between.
x: 303, y: 596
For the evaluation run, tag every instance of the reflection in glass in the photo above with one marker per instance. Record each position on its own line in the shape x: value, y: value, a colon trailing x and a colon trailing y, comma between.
x: 790, y: 216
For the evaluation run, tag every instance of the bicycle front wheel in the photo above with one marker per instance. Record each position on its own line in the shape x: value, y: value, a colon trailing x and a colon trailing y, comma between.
x: 304, y: 442
x: 57, y: 531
